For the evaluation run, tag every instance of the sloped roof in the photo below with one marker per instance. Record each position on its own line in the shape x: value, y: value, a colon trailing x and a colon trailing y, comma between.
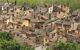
x: 76, y: 12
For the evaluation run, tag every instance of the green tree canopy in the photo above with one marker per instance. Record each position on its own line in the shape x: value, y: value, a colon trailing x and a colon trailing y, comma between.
x: 7, y: 43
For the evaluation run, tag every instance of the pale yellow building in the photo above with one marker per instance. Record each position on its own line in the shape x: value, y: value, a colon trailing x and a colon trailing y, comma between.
x: 25, y: 23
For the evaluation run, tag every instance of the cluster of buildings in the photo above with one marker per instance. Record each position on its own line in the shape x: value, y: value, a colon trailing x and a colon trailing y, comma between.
x: 40, y: 25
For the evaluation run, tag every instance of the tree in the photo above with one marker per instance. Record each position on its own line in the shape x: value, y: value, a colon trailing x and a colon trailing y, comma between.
x: 7, y: 43
x: 5, y: 36
x: 66, y: 46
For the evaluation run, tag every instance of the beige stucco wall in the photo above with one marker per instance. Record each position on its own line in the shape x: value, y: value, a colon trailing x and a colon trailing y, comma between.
x: 25, y: 23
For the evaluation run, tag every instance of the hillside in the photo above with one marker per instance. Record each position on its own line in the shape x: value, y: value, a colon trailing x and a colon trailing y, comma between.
x: 74, y: 4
